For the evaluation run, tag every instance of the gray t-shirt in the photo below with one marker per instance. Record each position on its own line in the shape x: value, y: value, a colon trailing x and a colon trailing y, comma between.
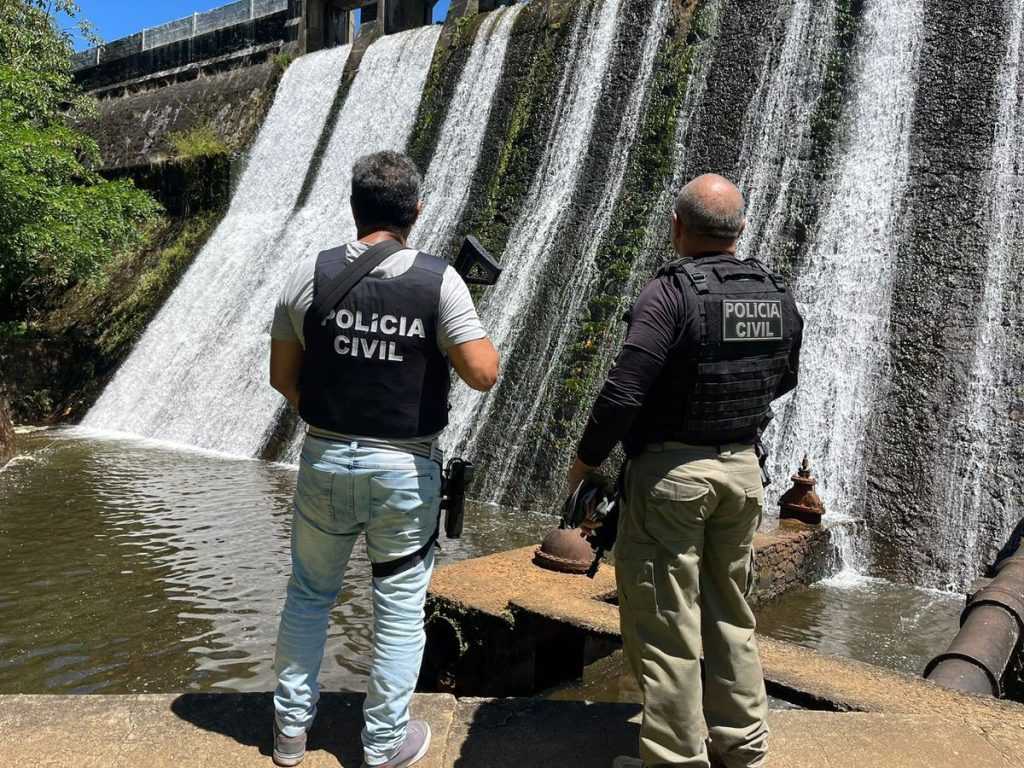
x: 458, y: 323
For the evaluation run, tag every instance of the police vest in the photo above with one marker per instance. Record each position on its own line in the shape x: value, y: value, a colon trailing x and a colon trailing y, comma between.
x: 721, y: 392
x: 372, y: 366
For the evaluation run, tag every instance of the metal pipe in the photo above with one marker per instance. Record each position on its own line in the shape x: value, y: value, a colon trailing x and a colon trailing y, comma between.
x: 991, y: 631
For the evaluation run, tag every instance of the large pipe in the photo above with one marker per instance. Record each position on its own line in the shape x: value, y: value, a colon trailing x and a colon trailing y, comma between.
x: 991, y: 630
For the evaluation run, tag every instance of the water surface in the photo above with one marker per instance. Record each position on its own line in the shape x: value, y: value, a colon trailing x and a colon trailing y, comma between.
x: 130, y: 567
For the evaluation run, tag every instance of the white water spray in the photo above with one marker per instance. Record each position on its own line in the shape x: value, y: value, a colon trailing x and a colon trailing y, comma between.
x: 446, y: 185
x: 562, y: 315
x: 551, y: 192
x: 198, y: 376
x: 844, y: 291
x: 777, y: 121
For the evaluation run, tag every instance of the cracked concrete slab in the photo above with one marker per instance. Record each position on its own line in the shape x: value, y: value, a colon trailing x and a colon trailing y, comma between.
x: 233, y: 730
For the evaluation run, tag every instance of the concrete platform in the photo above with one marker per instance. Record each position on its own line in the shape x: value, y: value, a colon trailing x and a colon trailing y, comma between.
x: 234, y: 730
x: 501, y: 626
x: 551, y: 624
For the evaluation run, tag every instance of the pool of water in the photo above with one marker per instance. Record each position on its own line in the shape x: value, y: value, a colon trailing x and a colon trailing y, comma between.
x: 127, y: 566
x: 871, y: 620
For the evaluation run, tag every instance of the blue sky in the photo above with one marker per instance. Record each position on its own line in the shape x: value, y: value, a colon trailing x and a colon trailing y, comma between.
x: 117, y: 18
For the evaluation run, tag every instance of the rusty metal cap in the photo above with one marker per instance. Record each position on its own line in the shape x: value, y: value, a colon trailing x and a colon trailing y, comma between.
x: 801, y: 502
x: 564, y: 550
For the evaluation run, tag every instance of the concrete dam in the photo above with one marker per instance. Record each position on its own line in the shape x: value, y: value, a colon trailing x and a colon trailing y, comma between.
x: 879, y: 144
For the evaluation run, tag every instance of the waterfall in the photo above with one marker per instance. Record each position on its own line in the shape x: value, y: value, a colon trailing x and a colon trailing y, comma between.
x: 551, y: 192
x: 980, y: 461
x: 198, y: 375
x: 447, y: 182
x: 777, y: 122
x: 844, y: 291
x: 562, y: 316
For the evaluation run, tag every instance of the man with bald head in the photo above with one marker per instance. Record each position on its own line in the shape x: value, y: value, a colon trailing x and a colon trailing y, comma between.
x: 712, y: 341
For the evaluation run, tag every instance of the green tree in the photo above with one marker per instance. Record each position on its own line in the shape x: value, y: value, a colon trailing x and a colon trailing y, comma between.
x: 59, y: 219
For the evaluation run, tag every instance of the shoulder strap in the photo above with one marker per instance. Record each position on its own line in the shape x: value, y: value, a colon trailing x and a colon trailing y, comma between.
x: 332, y: 294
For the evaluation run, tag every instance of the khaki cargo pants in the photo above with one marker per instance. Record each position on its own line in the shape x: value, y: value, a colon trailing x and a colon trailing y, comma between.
x: 683, y: 567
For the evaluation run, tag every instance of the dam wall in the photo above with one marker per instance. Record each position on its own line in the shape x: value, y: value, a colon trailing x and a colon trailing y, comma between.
x: 878, y: 145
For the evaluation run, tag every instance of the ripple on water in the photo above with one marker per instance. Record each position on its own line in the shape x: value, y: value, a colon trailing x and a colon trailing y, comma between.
x: 132, y: 567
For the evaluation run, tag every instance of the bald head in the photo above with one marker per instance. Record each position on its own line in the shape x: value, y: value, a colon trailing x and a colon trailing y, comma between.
x: 711, y: 208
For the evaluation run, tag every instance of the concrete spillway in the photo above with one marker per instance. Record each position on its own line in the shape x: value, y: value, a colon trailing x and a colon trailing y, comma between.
x: 198, y: 375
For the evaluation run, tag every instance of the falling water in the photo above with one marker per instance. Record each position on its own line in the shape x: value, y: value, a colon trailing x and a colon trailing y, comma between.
x: 447, y: 183
x: 845, y: 289
x: 547, y: 202
x: 976, y: 464
x: 657, y: 240
x: 198, y: 376
x: 777, y: 121
x: 562, y: 315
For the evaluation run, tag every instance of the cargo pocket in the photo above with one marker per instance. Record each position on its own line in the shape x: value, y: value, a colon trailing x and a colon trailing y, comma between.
x: 634, y: 572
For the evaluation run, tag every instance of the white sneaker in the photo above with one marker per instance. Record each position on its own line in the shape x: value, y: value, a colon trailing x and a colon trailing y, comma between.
x: 627, y: 762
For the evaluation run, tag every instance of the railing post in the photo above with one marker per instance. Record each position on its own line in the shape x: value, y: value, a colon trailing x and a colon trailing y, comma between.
x: 143, y: 38
x: 252, y: 9
x: 195, y: 23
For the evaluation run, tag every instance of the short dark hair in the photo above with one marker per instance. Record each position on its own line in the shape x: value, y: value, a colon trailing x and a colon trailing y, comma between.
x: 385, y: 191
x: 719, y: 223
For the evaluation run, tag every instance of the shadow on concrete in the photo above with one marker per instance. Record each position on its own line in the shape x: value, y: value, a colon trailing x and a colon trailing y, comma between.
x: 535, y: 733
x: 248, y: 719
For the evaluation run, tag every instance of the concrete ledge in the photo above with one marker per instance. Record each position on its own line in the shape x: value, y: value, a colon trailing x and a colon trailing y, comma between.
x: 228, y: 730
x: 501, y: 626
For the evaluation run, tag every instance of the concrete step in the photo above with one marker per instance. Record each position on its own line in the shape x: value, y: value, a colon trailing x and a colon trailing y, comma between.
x: 227, y: 730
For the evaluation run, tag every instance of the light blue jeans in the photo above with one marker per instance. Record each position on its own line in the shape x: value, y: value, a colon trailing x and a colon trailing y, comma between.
x: 344, y: 490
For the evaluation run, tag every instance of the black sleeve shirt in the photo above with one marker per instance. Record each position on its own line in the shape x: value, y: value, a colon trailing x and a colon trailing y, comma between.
x: 658, y: 324
x: 662, y: 324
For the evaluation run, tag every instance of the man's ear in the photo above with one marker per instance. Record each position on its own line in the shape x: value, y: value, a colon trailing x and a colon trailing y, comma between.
x: 743, y: 227
x: 419, y: 208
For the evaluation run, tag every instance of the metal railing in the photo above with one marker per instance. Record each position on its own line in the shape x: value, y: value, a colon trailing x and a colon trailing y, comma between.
x: 181, y: 29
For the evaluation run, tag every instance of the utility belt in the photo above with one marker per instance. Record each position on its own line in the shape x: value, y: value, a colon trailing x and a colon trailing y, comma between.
x: 455, y: 479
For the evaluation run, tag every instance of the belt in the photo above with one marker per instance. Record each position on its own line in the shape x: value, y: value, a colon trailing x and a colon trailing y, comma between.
x: 669, y: 446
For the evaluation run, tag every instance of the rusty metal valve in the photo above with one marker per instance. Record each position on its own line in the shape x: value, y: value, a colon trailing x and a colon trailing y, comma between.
x: 801, y: 502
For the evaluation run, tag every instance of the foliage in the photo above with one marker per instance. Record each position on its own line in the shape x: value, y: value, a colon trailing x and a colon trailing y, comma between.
x: 198, y: 141
x: 827, y: 111
x: 61, y: 220
x: 626, y: 245
x: 171, y: 247
x: 282, y: 61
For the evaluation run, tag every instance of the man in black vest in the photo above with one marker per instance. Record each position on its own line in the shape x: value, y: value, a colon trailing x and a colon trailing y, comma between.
x: 362, y: 340
x: 712, y: 341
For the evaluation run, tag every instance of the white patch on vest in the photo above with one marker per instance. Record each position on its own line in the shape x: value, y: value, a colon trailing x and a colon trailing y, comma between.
x: 752, y: 320
x: 381, y: 325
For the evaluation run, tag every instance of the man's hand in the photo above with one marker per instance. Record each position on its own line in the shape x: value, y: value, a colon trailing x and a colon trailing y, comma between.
x: 577, y: 473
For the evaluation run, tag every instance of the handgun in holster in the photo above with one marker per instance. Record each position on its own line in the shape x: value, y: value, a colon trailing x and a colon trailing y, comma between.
x: 455, y: 479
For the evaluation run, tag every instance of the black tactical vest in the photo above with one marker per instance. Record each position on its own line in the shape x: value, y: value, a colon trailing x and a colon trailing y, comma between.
x: 722, y: 391
x: 372, y: 367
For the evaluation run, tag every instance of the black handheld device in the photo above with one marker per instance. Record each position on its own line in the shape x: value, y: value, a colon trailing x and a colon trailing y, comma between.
x: 475, y: 264
x: 454, y: 482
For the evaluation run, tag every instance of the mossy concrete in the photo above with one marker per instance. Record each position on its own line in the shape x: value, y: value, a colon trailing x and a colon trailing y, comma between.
x: 132, y: 128
x: 500, y: 625
x: 228, y: 730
